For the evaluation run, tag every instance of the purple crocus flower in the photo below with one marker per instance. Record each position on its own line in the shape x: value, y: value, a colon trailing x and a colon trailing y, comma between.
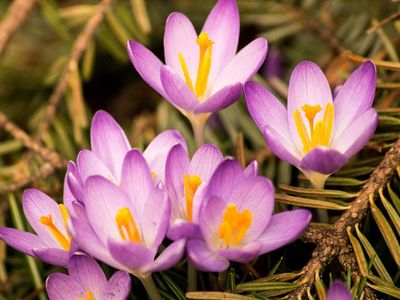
x: 184, y: 179
x: 51, y: 243
x: 126, y: 223
x: 338, y: 291
x: 86, y: 281
x: 315, y: 133
x: 109, y: 147
x: 236, y: 220
x: 203, y: 74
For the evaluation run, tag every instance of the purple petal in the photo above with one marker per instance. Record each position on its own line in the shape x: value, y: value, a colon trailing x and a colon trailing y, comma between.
x: 178, y: 92
x: 281, y: 146
x: 266, y: 109
x: 182, y: 229
x: 244, y: 65
x: 36, y: 205
x: 136, y: 178
x: 168, y: 258
x: 355, y: 96
x: 204, y: 259
x: 242, y: 254
x: 180, y: 38
x: 147, y: 65
x: 204, y: 161
x: 118, y: 287
x: 357, y: 134
x: 211, y: 214
x: 131, y: 255
x: 323, y: 160
x: 338, y: 291
x: 221, y: 99
x: 68, y: 196
x: 157, y: 151
x: 88, y: 273
x: 52, y: 256
x: 109, y: 141
x: 63, y: 287
x: 21, y: 240
x: 251, y: 169
x: 308, y: 85
x: 89, y: 165
x: 222, y: 26
x: 283, y: 229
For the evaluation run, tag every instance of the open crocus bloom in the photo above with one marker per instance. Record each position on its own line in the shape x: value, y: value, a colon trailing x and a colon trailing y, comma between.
x: 315, y: 133
x: 203, y: 73
x: 52, y: 242
x: 86, y: 281
x: 126, y: 223
x: 184, y: 179
x: 338, y: 291
x: 236, y: 220
x: 109, y: 147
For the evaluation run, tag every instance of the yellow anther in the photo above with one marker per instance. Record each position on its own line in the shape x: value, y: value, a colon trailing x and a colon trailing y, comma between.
x: 320, y: 133
x: 153, y: 174
x: 88, y: 296
x: 64, y: 241
x: 190, y: 184
x: 234, y: 225
x: 203, y: 69
x: 126, y: 226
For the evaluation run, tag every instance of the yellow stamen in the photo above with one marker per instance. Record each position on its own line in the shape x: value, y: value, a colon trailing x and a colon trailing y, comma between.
x: 190, y: 183
x: 320, y: 134
x: 234, y: 225
x: 65, y: 216
x: 88, y: 296
x: 153, y: 174
x: 64, y: 241
x: 203, y: 69
x: 126, y: 226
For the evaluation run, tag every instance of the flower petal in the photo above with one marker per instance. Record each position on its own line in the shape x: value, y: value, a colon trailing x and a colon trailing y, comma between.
x: 157, y: 151
x: 109, y: 142
x: 251, y: 169
x: 118, y: 287
x: 180, y: 38
x: 62, y: 287
x: 357, y: 134
x: 283, y: 229
x: 36, y: 205
x: 204, y: 161
x: 222, y: 26
x: 242, y: 254
x: 168, y: 258
x: 178, y: 92
x: 131, y: 255
x: 52, y: 256
x: 85, y: 270
x: 338, y: 291
x: 323, y: 160
x: 147, y: 65
x: 221, y: 99
x: 355, y: 96
x: 243, y: 66
x: 70, y: 196
x: 182, y: 229
x: 204, y: 259
x: 308, y: 85
x: 21, y: 240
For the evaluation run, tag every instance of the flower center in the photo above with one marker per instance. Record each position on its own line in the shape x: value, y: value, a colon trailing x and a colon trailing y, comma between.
x: 126, y: 226
x: 320, y: 133
x: 64, y: 241
x: 234, y: 225
x: 190, y: 183
x: 88, y: 296
x: 203, y: 70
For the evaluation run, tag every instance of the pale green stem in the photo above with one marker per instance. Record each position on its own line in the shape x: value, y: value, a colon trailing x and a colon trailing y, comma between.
x: 318, y: 182
x: 18, y: 223
x: 150, y: 287
x: 192, y: 278
x: 198, y: 131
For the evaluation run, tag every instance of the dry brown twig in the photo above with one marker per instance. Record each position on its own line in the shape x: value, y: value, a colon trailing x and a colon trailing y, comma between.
x: 333, y: 242
x: 14, y: 19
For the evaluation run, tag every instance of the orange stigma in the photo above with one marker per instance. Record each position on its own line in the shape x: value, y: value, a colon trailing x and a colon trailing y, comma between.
x: 126, y: 226
x: 190, y: 183
x: 234, y: 225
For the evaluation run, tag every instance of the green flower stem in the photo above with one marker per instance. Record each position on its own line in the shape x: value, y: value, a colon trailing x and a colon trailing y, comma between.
x: 192, y: 278
x: 19, y: 224
x: 150, y: 287
x: 198, y: 124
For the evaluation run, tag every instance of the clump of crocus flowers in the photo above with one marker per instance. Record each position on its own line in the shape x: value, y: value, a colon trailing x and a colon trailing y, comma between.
x: 121, y: 204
